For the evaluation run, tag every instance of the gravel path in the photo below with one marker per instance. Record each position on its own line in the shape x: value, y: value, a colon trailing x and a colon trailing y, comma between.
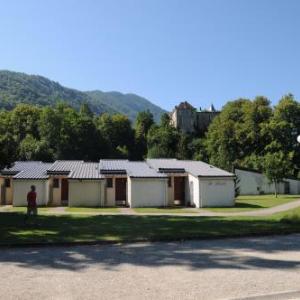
x: 195, y: 212
x: 248, y: 268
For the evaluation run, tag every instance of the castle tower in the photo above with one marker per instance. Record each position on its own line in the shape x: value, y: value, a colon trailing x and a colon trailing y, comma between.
x: 186, y: 118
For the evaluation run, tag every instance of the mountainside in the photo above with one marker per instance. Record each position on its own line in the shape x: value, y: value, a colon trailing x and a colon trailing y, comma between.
x: 33, y: 89
x: 128, y: 104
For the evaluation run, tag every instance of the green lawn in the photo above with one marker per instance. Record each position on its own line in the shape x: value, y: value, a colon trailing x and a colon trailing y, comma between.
x: 245, y: 203
x: 161, y: 210
x: 84, y: 228
x: 24, y: 209
x: 92, y: 209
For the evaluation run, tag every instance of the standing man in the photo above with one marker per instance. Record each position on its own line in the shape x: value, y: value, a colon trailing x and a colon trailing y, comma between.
x: 31, y: 203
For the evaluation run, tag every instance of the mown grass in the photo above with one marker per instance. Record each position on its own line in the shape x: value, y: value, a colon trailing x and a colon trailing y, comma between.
x: 92, y: 209
x: 120, y: 228
x: 23, y: 209
x: 161, y: 210
x: 247, y: 203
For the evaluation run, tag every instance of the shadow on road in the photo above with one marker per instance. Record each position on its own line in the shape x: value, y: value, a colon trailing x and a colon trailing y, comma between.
x: 205, y: 254
x: 193, y: 254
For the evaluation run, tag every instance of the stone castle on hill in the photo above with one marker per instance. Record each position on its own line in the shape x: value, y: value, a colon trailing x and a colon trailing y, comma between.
x: 188, y: 119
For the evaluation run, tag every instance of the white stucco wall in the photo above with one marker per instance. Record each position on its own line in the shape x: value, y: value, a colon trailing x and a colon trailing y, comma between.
x: 147, y: 192
x: 171, y: 192
x: 88, y: 193
x: 192, y: 191
x: 22, y: 187
x: 253, y: 183
x: 110, y: 194
x: 216, y: 192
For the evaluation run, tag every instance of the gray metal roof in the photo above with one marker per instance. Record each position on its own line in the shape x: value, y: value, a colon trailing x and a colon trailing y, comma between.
x: 18, y: 166
x: 132, y: 168
x: 195, y: 168
x: 64, y: 166
x: 78, y: 169
x: 86, y: 171
x: 28, y: 170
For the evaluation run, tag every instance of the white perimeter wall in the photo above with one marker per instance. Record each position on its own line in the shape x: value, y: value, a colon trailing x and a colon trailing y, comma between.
x: 22, y: 187
x: 252, y: 183
x: 147, y: 192
x: 218, y: 192
x: 87, y: 193
x: 294, y: 186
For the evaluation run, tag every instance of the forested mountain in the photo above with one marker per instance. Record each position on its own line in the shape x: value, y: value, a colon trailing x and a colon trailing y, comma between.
x: 33, y: 89
x: 127, y: 104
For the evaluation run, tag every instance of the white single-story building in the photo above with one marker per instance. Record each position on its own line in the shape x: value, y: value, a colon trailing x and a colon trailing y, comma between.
x: 150, y: 183
x: 16, y: 182
x: 252, y: 182
x: 195, y: 183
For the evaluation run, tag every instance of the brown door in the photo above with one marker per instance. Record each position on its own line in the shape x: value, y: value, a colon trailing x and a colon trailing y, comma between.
x: 64, y: 190
x: 3, y: 192
x: 179, y: 190
x: 121, y: 191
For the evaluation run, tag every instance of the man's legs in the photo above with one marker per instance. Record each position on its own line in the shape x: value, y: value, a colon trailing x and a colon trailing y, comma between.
x: 27, y: 215
x: 30, y: 211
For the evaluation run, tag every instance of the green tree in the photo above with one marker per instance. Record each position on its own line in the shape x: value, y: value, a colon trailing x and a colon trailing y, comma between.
x: 118, y: 131
x: 165, y: 120
x: 90, y: 144
x: 32, y: 149
x: 85, y: 110
x: 238, y: 135
x: 184, y: 149
x: 8, y: 144
x: 198, y: 149
x: 25, y: 120
x: 50, y: 129
x: 283, y: 129
x: 162, y: 142
x: 276, y: 167
x: 144, y: 121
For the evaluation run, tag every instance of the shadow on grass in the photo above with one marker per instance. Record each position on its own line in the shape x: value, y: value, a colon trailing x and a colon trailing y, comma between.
x: 241, y: 205
x: 247, y: 205
x: 194, y: 254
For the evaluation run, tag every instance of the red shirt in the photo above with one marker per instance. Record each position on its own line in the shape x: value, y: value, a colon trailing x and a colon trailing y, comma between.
x: 31, y: 199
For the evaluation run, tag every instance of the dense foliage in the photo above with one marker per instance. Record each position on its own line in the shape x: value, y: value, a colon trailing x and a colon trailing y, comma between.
x: 255, y: 135
x: 31, y: 89
x: 250, y: 134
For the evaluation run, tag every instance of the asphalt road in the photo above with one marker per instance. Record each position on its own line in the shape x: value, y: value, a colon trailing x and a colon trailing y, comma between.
x: 257, y: 268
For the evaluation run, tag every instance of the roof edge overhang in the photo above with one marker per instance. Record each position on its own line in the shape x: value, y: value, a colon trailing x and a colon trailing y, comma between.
x: 171, y: 170
x: 113, y: 172
x: 49, y: 172
x: 9, y: 173
x: 216, y: 176
x: 149, y: 177
x: 28, y: 178
x: 84, y: 179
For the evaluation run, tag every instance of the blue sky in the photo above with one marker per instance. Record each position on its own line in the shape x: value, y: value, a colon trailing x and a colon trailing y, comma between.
x: 165, y: 50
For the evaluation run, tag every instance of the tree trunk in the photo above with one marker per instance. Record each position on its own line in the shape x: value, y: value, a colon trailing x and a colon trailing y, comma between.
x: 275, y: 184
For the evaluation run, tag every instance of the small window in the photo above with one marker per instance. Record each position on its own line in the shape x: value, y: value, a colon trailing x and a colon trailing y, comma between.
x: 7, y: 182
x: 169, y: 182
x: 56, y: 183
x: 109, y: 182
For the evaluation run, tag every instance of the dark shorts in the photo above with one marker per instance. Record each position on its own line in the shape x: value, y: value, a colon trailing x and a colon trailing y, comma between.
x: 31, y: 211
